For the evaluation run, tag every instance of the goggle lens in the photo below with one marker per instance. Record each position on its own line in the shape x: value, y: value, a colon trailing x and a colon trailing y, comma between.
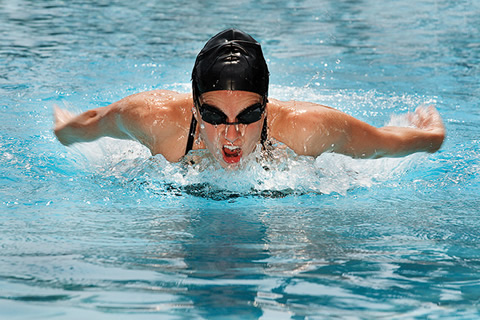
x: 214, y: 116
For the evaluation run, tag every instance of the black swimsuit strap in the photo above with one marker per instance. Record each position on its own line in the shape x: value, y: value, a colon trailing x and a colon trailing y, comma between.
x: 191, y: 134
x: 264, y: 136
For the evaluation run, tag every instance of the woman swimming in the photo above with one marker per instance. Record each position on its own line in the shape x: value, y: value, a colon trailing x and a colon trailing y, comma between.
x: 229, y: 113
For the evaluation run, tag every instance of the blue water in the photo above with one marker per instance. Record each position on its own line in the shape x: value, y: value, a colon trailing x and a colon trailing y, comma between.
x: 105, y: 231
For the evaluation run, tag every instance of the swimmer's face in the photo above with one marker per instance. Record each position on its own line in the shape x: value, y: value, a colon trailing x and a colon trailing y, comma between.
x: 229, y: 143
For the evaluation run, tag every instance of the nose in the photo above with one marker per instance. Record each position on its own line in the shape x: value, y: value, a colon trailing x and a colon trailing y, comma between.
x: 232, y: 132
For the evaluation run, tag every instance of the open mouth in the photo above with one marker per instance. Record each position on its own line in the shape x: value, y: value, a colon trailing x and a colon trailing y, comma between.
x: 231, y: 154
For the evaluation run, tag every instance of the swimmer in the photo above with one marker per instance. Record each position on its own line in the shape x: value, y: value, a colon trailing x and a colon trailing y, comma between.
x: 229, y: 113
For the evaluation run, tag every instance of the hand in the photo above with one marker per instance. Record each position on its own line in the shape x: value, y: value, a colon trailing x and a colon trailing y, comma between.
x: 62, y: 119
x: 427, y: 118
x: 62, y: 116
x: 429, y: 121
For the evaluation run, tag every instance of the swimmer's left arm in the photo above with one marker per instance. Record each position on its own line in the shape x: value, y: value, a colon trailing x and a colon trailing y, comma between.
x: 311, y: 130
x: 365, y: 141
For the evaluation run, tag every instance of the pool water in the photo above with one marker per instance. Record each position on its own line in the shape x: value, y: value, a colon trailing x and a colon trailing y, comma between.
x: 104, y: 230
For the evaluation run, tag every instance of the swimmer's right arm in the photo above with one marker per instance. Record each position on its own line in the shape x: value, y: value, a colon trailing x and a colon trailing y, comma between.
x: 88, y: 126
x: 121, y: 120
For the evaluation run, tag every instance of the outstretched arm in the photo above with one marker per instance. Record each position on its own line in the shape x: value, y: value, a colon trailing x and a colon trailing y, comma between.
x: 311, y: 129
x: 157, y: 119
x: 88, y: 126
x: 426, y: 135
x: 129, y: 118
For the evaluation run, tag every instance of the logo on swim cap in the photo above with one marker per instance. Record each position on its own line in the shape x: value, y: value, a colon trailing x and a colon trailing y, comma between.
x: 231, y: 60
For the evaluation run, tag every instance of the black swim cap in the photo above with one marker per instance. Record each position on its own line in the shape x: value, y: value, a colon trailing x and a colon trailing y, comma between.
x: 231, y: 60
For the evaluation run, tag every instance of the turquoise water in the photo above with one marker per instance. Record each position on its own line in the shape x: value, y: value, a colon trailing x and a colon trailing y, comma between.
x: 103, y: 230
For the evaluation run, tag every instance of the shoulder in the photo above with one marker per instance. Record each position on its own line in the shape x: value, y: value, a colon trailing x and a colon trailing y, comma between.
x: 307, y: 128
x: 157, y: 102
x: 288, y: 117
x: 160, y: 109
x: 158, y: 119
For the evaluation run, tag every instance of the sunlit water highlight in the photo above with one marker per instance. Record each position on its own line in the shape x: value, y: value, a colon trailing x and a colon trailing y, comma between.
x: 104, y: 230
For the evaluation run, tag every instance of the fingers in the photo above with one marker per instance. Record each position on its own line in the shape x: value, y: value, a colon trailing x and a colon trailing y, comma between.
x: 427, y: 118
x: 61, y: 116
x: 427, y: 111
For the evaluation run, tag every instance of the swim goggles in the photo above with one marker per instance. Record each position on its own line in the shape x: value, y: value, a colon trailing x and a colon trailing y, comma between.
x: 213, y: 115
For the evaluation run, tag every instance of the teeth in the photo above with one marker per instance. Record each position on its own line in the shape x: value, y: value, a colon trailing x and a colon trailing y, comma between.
x: 231, y: 148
